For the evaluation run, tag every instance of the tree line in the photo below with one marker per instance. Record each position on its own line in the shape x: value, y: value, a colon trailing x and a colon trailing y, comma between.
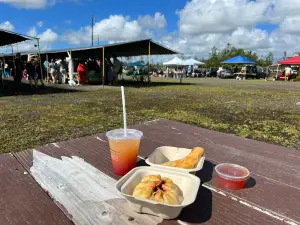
x: 216, y: 57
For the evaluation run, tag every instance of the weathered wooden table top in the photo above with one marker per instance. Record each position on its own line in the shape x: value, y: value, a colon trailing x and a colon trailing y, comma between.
x: 272, y: 195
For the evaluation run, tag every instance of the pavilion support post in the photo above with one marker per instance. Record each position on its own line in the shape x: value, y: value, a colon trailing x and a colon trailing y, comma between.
x: 71, y: 69
x: 103, y: 66
x: 14, y: 62
x: 3, y: 72
x: 149, y: 62
x: 40, y: 58
x: 3, y: 66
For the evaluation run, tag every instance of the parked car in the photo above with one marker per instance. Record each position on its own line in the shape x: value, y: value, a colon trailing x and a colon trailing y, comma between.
x: 212, y: 72
x: 255, y: 72
x: 226, y: 73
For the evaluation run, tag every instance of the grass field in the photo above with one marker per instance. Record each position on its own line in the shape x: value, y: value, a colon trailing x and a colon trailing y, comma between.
x: 259, y: 110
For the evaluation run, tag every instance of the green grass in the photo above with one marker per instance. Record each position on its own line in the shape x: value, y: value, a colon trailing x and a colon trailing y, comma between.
x: 259, y: 110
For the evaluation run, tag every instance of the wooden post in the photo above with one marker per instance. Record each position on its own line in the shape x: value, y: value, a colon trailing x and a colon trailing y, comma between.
x: 14, y: 62
x: 103, y: 66
x: 149, y: 61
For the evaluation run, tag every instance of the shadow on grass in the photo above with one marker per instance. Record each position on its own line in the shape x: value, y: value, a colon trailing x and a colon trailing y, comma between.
x: 9, y: 89
x: 135, y: 84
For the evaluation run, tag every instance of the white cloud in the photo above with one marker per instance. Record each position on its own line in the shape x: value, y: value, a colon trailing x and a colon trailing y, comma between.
x: 158, y: 21
x: 220, y: 16
x: 290, y: 24
x: 7, y: 26
x: 48, y: 36
x: 114, y: 28
x: 28, y: 4
x: 32, y: 32
x: 37, y: 4
x: 40, y: 23
x: 207, y: 23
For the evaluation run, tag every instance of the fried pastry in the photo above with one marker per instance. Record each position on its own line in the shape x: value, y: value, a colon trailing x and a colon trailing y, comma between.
x: 189, y: 162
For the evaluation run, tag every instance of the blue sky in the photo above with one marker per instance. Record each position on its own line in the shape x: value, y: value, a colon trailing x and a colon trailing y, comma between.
x: 66, y: 15
x: 191, y: 27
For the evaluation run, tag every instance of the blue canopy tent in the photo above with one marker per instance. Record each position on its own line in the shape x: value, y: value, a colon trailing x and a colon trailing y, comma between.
x: 239, y: 60
x: 138, y: 64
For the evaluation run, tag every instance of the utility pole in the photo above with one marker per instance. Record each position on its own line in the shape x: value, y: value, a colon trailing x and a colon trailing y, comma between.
x: 92, y: 30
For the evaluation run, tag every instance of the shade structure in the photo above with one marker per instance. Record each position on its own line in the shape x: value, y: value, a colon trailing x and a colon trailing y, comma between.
x: 138, y: 64
x: 9, y: 38
x: 292, y: 61
x: 239, y: 60
x: 124, y: 49
x: 191, y: 62
x: 175, y: 62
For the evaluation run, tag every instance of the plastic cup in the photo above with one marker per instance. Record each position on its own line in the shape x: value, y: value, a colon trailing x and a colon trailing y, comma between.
x: 124, y: 149
x: 231, y: 176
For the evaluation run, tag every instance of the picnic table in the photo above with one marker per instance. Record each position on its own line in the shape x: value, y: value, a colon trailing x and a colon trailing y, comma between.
x: 271, y: 197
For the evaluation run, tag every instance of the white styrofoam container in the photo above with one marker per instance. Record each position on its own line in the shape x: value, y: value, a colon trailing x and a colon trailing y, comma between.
x: 167, y: 153
x: 188, y: 184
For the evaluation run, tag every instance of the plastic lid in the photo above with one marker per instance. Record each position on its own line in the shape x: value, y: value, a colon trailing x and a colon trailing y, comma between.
x: 119, y: 134
x: 232, y: 171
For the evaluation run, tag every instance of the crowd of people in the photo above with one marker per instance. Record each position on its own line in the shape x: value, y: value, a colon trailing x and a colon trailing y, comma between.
x: 56, y: 71
x: 19, y: 69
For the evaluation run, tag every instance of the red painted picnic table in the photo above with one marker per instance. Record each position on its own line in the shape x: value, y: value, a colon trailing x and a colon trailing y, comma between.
x: 271, y: 197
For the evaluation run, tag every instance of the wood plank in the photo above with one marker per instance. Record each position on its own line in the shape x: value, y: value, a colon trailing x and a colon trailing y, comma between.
x: 277, y: 178
x: 22, y: 201
x: 95, y: 151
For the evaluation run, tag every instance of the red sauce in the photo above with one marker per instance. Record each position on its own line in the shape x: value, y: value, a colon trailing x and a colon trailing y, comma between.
x: 230, y: 184
x: 233, y: 171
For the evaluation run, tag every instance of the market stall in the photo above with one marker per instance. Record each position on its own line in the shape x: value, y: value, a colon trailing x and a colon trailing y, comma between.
x: 175, y: 62
x: 248, y: 70
x: 293, y: 63
x: 9, y: 38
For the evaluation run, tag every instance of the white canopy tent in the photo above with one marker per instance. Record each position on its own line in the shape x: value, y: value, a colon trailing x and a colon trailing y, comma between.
x: 175, y: 62
x: 192, y: 62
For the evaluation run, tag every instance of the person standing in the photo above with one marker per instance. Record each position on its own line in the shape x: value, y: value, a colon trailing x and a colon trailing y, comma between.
x: 288, y: 73
x: 53, y: 73
x: 86, y: 71
x: 117, y: 67
x: 46, y: 69
x: 63, y: 71
x: 109, y: 69
x: 81, y: 72
x: 18, y: 68
x: 30, y: 71
x: 38, y: 75
x: 267, y: 73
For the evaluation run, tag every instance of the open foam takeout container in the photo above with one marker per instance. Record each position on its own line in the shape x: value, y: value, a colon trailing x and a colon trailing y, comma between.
x: 188, y: 184
x: 166, y: 153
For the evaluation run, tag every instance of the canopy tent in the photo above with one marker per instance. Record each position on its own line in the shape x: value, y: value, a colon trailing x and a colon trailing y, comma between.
x: 192, y: 62
x: 239, y: 60
x: 174, y: 62
x: 9, y: 38
x: 292, y: 61
x: 126, y: 49
x: 138, y: 64
x: 135, y: 48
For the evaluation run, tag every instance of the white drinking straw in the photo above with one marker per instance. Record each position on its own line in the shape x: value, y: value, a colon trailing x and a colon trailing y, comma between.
x: 124, y: 111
